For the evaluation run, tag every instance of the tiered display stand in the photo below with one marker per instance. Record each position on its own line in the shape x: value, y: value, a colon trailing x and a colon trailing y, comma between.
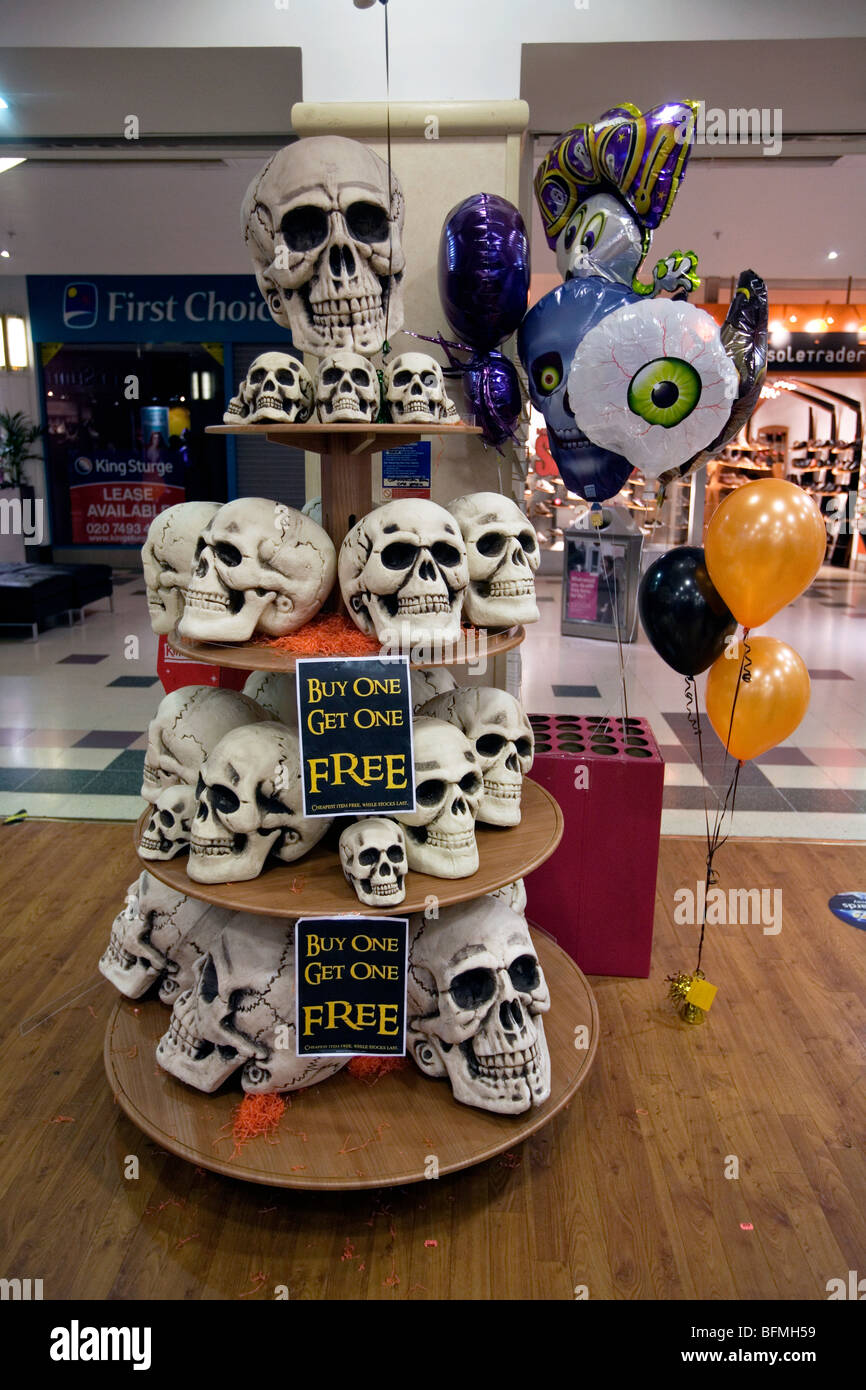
x: 345, y: 1133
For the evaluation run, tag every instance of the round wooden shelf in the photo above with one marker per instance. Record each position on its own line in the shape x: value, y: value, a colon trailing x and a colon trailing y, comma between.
x: 317, y: 438
x: 248, y: 656
x: 315, y: 886
x: 345, y: 1133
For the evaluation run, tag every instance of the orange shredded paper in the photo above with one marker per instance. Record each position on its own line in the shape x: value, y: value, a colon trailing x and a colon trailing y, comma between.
x: 328, y: 634
x: 256, y: 1115
x: 371, y: 1069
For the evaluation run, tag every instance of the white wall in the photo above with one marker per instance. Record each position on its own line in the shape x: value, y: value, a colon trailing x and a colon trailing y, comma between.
x: 18, y: 389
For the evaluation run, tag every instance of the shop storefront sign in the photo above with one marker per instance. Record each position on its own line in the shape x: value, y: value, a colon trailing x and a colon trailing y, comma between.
x: 834, y: 353
x: 355, y: 723
x: 350, y: 986
x: 113, y: 501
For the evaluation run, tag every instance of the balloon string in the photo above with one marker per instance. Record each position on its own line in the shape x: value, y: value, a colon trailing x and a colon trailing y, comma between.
x: 613, y: 595
x: 746, y: 673
x: 715, y: 844
x: 386, y: 346
x: 693, y: 713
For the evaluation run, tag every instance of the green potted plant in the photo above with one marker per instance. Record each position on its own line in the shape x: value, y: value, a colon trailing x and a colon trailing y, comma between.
x: 17, y: 434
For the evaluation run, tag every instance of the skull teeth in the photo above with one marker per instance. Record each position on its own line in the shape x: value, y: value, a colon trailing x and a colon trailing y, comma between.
x: 424, y: 604
x: 202, y: 598
x: 150, y: 774
x: 511, y: 588
x: 210, y: 847
x: 186, y: 1041
x: 506, y: 1064
x: 504, y: 790
x: 386, y: 890
x: 440, y: 840
x: 115, y: 952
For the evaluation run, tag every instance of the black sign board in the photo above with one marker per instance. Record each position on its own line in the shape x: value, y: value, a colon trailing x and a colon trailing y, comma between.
x: 834, y: 353
x: 355, y: 723
x: 350, y: 986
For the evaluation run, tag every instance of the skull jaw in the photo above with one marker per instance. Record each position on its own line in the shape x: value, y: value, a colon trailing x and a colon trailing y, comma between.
x: 160, y: 847
x: 196, y: 1062
x: 424, y: 630
x: 384, y: 893
x: 500, y: 1093
x: 499, y: 809
x: 348, y: 413
x: 295, y: 412
x: 229, y: 859
x: 131, y: 975
x: 364, y: 332
x: 220, y: 624
x: 505, y: 611
x: 441, y: 860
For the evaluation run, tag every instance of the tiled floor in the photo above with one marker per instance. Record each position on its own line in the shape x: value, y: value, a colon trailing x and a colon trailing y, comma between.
x: 54, y: 763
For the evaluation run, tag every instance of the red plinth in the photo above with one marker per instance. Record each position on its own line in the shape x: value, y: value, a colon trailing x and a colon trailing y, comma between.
x: 596, y: 894
x: 175, y: 670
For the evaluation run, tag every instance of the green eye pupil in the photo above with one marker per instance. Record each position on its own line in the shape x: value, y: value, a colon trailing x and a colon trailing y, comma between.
x: 665, y: 391
x: 549, y: 378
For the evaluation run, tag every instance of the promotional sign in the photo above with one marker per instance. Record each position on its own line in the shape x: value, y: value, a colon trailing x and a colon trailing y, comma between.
x: 150, y: 308
x: 835, y: 353
x: 582, y: 596
x: 113, y: 501
x: 406, y: 471
x: 355, y: 724
x: 850, y: 908
x: 350, y: 986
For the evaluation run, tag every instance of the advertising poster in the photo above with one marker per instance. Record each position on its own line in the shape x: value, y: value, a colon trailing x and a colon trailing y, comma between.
x: 406, y: 471
x: 596, y: 580
x: 350, y: 986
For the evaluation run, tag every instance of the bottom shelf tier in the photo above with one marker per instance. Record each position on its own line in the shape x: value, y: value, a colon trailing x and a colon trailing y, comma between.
x: 346, y: 1133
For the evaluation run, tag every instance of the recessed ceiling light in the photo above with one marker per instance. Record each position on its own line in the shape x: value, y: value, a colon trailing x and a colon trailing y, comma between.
x: 832, y: 255
x: 793, y: 318
x: 5, y: 254
x: 4, y: 105
x: 9, y: 164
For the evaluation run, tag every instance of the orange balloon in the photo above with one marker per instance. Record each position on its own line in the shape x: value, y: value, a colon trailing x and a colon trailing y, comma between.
x: 769, y: 706
x: 764, y: 546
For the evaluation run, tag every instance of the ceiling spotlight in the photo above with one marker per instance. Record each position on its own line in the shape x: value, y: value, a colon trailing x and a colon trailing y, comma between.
x: 816, y: 326
x: 851, y: 327
x: 5, y: 254
x: 792, y: 318
x: 830, y: 320
x: 832, y: 255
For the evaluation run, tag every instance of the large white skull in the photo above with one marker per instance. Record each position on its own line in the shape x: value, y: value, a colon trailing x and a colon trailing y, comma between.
x: 513, y: 895
x: 259, y: 567
x: 475, y: 999
x: 277, y: 388
x: 167, y: 557
x: 157, y: 936
x: 425, y: 684
x: 324, y: 231
x: 250, y: 805
x: 503, y: 556
x: 373, y: 856
x: 440, y: 833
x: 187, y: 725
x: 167, y: 831
x: 415, y: 391
x: 403, y: 573
x: 501, y: 734
x: 275, y: 692
x: 239, y: 1013
x: 347, y: 390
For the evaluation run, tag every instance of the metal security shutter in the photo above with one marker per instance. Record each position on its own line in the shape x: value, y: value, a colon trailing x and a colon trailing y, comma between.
x: 265, y: 470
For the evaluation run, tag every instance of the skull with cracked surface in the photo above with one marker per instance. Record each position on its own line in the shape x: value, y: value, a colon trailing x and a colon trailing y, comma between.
x: 167, y: 831
x: 503, y: 552
x: 415, y: 391
x: 187, y: 725
x: 156, y: 937
x: 373, y: 856
x: 347, y: 390
x: 277, y: 389
x: 167, y: 557
x: 440, y: 832
x: 499, y: 730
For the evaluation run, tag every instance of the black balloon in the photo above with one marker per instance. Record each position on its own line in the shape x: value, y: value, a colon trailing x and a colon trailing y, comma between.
x: 683, y: 615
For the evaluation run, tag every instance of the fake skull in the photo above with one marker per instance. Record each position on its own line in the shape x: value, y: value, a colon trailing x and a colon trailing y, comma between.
x: 513, y: 895
x: 347, y: 390
x: 167, y: 557
x: 440, y: 833
x: 503, y: 553
x: 259, y: 566
x: 167, y: 831
x: 415, y: 391
x: 147, y: 936
x: 403, y: 573
x: 275, y: 692
x: 276, y: 388
x: 501, y: 734
x: 187, y: 725
x: 475, y: 999
x: 250, y: 805
x: 373, y: 856
x: 239, y: 1013
x: 424, y: 684
x: 324, y: 232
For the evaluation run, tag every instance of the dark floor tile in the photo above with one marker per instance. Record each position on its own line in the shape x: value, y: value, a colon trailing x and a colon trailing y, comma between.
x: 544, y: 598
x: 820, y: 799
x: 131, y: 759
x: 123, y: 577
x: 785, y: 757
x: 82, y: 659
x: 139, y: 591
x: 10, y: 738
x: 834, y: 603
x: 139, y: 682
x: 748, y: 799
x: 829, y: 675
x: 12, y: 777
x: 58, y: 779
x: 122, y: 782
x: 674, y: 753
x: 717, y: 765
x: 576, y: 692
x: 108, y: 738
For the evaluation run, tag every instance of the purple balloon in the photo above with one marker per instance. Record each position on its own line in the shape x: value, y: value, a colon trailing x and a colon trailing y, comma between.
x: 493, y: 395
x: 484, y: 270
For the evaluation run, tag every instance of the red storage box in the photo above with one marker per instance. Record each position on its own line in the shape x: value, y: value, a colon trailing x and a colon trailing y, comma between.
x: 596, y: 894
x: 175, y: 670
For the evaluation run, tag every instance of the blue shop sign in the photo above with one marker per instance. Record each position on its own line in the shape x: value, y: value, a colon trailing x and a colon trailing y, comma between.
x: 150, y: 309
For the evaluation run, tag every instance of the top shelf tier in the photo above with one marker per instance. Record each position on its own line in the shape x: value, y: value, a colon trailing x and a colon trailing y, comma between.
x: 317, y: 438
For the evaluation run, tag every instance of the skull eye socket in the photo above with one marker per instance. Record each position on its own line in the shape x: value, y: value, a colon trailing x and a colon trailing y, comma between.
x: 547, y: 373
x: 367, y: 222
x: 489, y: 745
x: 399, y: 555
x: 229, y: 554
x: 527, y: 540
x: 524, y: 974
x: 209, y: 984
x: 402, y: 378
x: 331, y: 375
x: 431, y: 792
x: 491, y: 543
x: 199, y: 787
x: 524, y: 747
x: 473, y: 988
x: 395, y: 854
x: 470, y: 783
x: 223, y: 799
x: 167, y: 819
x: 199, y: 546
x: 368, y: 856
x: 360, y: 377
x: 445, y: 554
x: 285, y: 376
x: 304, y: 227
x: 257, y: 376
x: 429, y: 378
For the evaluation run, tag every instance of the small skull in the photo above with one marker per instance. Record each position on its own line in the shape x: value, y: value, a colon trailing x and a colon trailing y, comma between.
x: 238, y: 1013
x: 167, y: 831
x: 440, y: 832
x: 259, y: 566
x: 250, y: 805
x: 503, y: 554
x: 415, y: 391
x: 475, y: 999
x: 277, y: 388
x: 501, y: 734
x: 373, y: 856
x: 167, y: 557
x: 403, y: 573
x: 187, y: 725
x: 347, y: 390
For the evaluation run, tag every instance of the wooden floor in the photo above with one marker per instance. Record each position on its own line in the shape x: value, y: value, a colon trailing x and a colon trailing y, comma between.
x: 625, y: 1193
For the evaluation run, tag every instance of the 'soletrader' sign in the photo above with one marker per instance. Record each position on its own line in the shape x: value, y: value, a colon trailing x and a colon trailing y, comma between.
x: 350, y: 986
x: 355, y: 724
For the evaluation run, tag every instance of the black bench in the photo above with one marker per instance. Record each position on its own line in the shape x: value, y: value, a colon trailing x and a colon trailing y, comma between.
x: 30, y: 594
